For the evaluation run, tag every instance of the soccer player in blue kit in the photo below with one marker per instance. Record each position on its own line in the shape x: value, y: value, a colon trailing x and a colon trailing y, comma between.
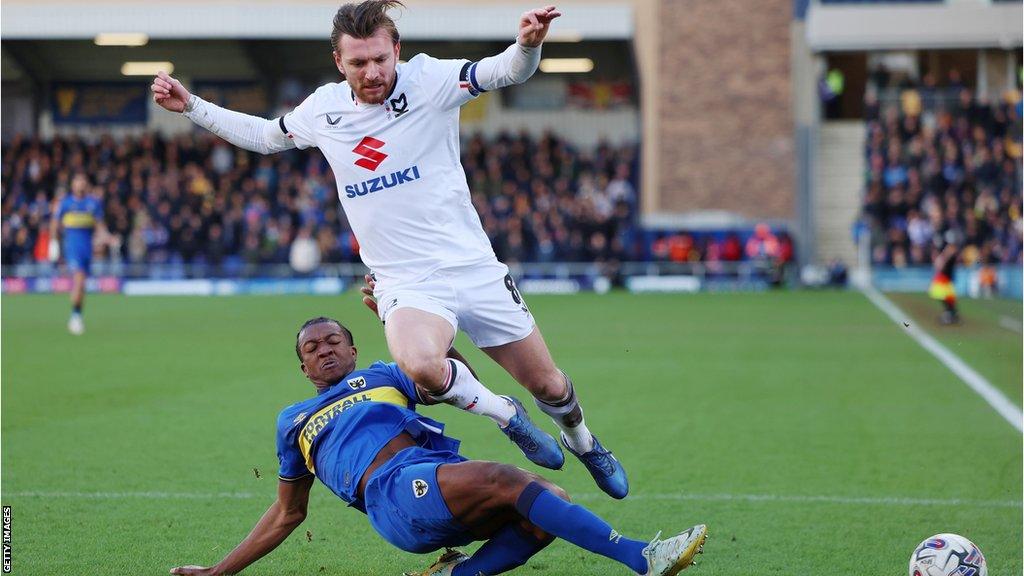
x: 362, y: 438
x: 79, y: 215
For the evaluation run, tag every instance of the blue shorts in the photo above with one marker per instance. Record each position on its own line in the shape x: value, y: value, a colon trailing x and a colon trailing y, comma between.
x: 78, y: 257
x: 405, y: 506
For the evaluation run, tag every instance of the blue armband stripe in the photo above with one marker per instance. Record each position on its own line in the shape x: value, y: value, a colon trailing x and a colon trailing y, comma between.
x: 472, y: 78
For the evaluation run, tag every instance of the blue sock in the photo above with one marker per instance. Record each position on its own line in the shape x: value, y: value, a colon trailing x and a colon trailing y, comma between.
x: 580, y: 526
x: 77, y: 309
x: 509, y: 548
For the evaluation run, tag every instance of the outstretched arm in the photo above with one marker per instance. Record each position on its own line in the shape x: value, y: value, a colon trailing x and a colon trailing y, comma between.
x: 277, y: 523
x: 519, y: 61
x: 242, y: 130
x: 533, y: 25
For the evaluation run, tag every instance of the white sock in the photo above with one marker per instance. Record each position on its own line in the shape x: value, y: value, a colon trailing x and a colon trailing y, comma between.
x: 568, y: 416
x: 464, y: 391
x: 578, y: 437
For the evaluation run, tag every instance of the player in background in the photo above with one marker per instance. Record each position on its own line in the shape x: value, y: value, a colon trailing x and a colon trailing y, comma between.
x: 945, y: 253
x: 390, y: 132
x: 361, y: 437
x: 77, y: 215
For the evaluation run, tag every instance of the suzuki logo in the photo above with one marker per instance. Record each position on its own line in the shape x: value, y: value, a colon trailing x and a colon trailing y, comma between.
x: 371, y: 158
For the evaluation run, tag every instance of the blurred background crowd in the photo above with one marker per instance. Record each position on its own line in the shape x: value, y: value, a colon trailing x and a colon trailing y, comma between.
x: 196, y: 199
x: 939, y: 158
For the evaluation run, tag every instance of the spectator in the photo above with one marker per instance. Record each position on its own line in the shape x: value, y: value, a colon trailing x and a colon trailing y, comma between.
x: 190, y: 199
x: 731, y: 248
x: 943, y: 151
x: 763, y: 245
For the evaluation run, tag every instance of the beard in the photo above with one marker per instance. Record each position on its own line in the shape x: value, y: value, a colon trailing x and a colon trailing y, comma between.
x: 374, y: 94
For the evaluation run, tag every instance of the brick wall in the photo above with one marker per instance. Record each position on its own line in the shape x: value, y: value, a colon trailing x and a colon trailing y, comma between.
x: 725, y: 108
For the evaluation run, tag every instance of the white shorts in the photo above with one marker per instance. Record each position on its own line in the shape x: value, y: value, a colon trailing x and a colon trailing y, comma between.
x: 481, y: 299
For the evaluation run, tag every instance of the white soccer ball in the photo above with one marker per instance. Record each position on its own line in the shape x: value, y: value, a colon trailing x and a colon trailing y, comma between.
x: 947, y: 555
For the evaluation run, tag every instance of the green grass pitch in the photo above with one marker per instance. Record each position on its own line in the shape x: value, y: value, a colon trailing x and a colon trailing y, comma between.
x: 807, y: 431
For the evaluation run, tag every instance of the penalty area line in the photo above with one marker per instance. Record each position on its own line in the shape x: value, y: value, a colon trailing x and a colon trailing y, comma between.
x: 671, y: 496
x: 996, y: 399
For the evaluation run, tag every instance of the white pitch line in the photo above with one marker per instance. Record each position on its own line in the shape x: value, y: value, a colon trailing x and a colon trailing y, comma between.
x: 672, y: 496
x: 127, y: 495
x: 996, y: 399
x: 812, y: 499
x: 1010, y: 324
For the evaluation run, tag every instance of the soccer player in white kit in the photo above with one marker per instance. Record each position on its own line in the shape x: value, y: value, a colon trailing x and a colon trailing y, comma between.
x: 390, y: 132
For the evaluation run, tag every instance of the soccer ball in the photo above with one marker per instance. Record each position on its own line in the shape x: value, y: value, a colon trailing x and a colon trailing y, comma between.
x: 947, y: 555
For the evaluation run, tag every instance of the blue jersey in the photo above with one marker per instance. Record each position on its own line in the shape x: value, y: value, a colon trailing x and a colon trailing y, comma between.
x: 336, y: 434
x: 79, y: 217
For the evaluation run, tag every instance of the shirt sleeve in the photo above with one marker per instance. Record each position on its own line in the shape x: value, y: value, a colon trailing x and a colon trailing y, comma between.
x: 293, y: 465
x: 298, y: 124
x: 243, y: 130
x: 403, y: 382
x: 62, y: 207
x: 514, y: 65
x: 448, y: 83
x: 97, y: 210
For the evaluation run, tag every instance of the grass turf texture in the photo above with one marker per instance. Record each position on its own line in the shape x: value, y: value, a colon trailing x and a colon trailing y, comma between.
x: 988, y: 337
x: 781, y: 420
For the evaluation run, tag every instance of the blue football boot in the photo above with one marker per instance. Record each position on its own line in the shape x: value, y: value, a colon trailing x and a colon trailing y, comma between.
x: 536, y: 444
x: 606, y: 470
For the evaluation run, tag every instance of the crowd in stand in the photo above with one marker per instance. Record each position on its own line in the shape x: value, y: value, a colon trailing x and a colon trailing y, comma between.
x: 940, y: 159
x: 544, y: 201
x: 195, y: 199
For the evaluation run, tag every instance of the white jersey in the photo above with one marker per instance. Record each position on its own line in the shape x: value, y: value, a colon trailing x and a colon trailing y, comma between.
x: 398, y: 169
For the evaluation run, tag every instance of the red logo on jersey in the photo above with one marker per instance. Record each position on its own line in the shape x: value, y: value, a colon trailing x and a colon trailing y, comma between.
x: 371, y: 158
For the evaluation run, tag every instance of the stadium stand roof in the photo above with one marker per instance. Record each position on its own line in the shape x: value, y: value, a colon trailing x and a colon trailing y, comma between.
x: 883, y: 26
x: 480, y: 20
